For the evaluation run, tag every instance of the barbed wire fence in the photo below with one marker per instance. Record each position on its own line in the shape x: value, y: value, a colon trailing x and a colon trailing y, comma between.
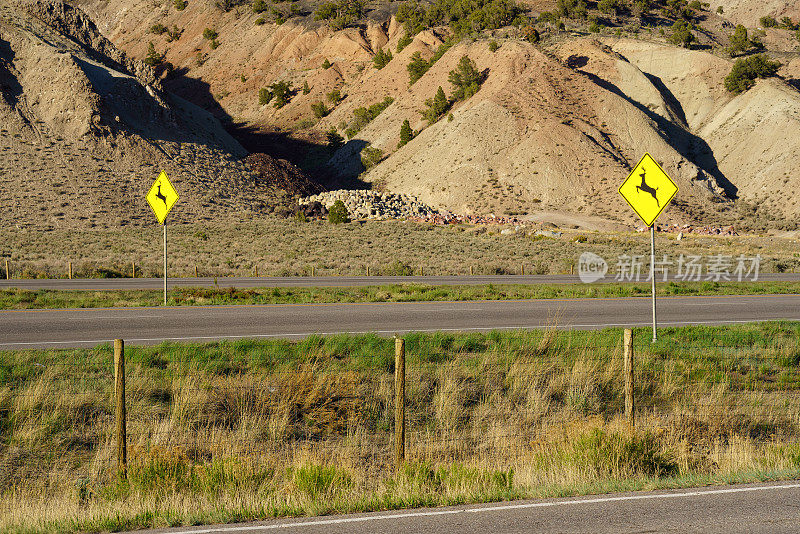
x: 489, y: 398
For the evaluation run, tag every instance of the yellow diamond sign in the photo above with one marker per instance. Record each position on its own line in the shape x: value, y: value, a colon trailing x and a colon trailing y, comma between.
x: 161, y: 197
x: 648, y: 189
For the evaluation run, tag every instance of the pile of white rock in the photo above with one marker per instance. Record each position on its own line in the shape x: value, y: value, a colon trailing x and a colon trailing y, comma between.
x: 364, y: 204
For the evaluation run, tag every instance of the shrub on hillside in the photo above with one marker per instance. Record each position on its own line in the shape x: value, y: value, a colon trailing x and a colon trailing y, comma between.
x: 158, y: 29
x: 463, y: 16
x: 435, y: 107
x: 745, y: 71
x: 174, y: 34
x: 282, y: 92
x: 787, y: 24
x: 404, y: 41
x: 371, y: 156
x: 612, y: 7
x: 530, y: 34
x: 472, y: 16
x: 682, y: 34
x: 264, y: 96
x: 326, y: 64
x: 740, y: 42
x: 227, y: 5
x: 306, y: 88
x: 640, y: 8
x: 381, y: 59
x: 334, y: 97
x: 180, y: 5
x: 768, y: 22
x: 259, y: 6
x: 417, y: 68
x: 335, y: 141
x: 465, y: 78
x: 412, y: 16
x: 319, y: 109
x: 210, y: 34
x: 342, y: 13
x: 153, y: 58
x: 678, y: 9
x: 573, y: 9
x: 337, y: 214
x: 406, y: 133
x: 493, y: 46
x: 363, y: 116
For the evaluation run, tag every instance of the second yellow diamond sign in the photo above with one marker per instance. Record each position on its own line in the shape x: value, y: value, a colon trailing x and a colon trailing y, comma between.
x: 162, y: 197
x: 648, y: 190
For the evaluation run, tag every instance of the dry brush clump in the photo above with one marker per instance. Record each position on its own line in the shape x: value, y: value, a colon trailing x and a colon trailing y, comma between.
x: 256, y: 429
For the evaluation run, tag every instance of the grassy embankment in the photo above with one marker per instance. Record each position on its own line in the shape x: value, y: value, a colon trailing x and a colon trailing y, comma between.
x: 233, y: 431
x: 279, y: 247
x: 20, y: 299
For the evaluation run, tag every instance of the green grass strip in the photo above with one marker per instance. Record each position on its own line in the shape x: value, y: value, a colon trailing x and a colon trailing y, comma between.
x: 23, y: 299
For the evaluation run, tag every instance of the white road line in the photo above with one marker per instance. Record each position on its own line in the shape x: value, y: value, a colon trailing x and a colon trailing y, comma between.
x: 397, y: 331
x: 497, y: 508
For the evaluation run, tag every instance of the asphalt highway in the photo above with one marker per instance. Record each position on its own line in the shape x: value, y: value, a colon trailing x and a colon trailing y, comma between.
x: 768, y: 508
x: 100, y: 284
x: 88, y: 327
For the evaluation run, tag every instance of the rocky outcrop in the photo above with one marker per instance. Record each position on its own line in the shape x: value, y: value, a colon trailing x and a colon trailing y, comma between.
x: 374, y: 205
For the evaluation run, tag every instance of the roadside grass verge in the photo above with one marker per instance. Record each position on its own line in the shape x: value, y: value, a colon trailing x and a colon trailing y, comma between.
x: 280, y: 247
x: 255, y: 429
x: 21, y: 299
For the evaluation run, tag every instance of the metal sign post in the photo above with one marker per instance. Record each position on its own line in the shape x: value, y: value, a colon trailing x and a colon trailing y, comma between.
x: 165, y: 264
x: 648, y: 190
x: 653, y: 274
x: 161, y: 197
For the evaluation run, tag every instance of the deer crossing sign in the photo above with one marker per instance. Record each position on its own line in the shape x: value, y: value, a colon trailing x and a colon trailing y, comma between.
x: 648, y: 189
x: 162, y: 197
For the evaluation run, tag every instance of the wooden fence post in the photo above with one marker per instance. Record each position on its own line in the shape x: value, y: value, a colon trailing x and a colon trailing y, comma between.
x: 119, y: 390
x: 522, y: 269
x: 133, y: 269
x: 367, y: 270
x: 312, y: 271
x: 8, y: 273
x: 471, y: 270
x: 256, y: 270
x: 195, y: 272
x: 70, y: 270
x: 630, y: 407
x: 399, y: 401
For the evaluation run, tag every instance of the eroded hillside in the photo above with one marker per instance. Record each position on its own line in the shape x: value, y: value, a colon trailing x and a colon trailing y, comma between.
x: 85, y: 131
x: 554, y: 126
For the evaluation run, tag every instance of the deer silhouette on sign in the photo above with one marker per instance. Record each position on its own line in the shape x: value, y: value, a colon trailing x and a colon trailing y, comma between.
x: 647, y: 189
x: 164, y: 199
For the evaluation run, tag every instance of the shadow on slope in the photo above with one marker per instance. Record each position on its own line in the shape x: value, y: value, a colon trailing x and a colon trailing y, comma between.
x: 692, y: 147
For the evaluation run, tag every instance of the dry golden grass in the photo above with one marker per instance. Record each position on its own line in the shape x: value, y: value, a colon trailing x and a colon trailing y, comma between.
x: 291, y: 248
x: 250, y: 430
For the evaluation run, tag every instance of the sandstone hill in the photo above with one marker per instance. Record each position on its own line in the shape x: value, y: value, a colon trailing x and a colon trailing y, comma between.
x: 554, y: 128
x: 85, y: 129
